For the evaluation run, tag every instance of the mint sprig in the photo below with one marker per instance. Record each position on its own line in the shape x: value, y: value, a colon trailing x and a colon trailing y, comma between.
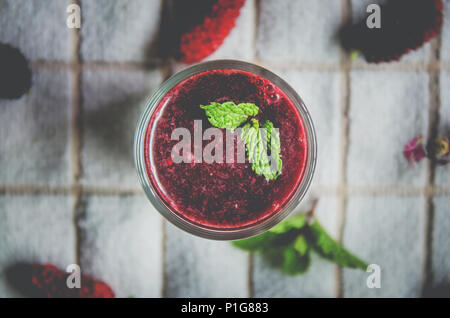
x: 258, y: 142
x: 229, y: 115
x: 289, y: 244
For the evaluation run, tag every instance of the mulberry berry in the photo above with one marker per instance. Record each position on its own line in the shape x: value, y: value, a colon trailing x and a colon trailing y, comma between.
x: 405, y: 25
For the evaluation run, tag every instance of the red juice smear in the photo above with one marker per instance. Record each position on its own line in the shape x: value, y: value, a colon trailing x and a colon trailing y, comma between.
x: 223, y: 195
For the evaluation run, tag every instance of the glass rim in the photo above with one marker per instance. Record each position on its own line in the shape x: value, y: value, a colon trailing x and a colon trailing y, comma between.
x: 215, y: 233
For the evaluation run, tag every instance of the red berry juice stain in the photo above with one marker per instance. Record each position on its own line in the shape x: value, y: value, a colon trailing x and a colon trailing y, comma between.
x: 224, y: 195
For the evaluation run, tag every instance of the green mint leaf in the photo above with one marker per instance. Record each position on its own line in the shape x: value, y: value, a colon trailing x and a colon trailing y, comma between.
x: 274, y: 256
x: 328, y: 248
x: 228, y: 114
x: 294, y: 263
x: 257, y: 146
x: 286, y: 234
x: 295, y: 222
x: 255, y: 243
x: 301, y: 245
x: 287, y: 259
x: 274, y: 146
x: 288, y: 245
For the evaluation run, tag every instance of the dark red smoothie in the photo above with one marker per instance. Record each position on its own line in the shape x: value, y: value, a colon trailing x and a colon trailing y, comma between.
x: 224, y: 195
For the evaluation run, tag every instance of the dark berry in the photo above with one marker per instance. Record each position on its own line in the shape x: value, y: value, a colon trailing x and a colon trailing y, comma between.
x: 15, y: 74
x: 205, y: 25
x: 405, y: 25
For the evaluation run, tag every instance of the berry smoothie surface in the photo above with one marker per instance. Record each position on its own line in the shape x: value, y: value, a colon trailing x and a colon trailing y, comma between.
x: 223, y: 195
